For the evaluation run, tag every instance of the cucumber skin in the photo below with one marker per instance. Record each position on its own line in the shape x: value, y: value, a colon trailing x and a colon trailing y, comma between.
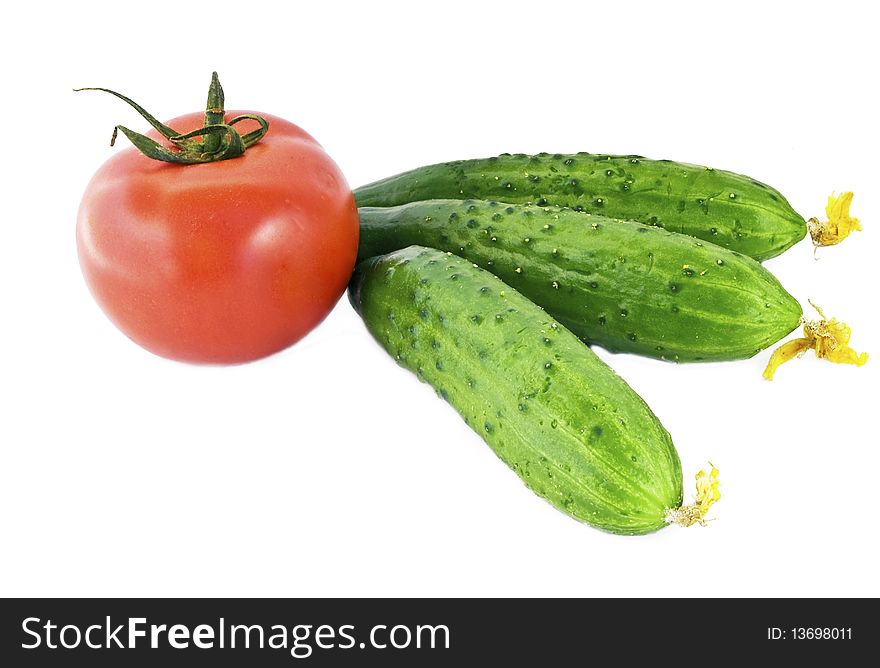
x: 625, y: 286
x: 756, y: 221
x: 573, y: 430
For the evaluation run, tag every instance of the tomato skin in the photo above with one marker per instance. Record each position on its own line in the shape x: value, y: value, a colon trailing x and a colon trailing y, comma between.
x: 222, y: 262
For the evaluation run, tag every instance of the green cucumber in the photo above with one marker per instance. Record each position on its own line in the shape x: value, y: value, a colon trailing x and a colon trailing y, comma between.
x: 572, y: 429
x: 625, y: 286
x: 728, y: 209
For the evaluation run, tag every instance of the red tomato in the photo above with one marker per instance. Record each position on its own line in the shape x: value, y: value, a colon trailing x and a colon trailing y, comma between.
x: 221, y: 262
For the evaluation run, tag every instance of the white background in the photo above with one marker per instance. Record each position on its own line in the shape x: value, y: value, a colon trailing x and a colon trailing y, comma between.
x: 326, y: 470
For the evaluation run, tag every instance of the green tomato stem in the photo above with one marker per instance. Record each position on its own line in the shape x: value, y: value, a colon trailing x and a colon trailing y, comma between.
x: 214, y: 114
x: 216, y: 140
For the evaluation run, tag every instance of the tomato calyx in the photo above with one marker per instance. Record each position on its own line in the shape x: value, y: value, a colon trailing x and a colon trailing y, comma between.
x: 216, y: 140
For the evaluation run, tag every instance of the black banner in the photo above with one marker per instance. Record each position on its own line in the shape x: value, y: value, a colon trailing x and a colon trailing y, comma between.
x: 425, y: 632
